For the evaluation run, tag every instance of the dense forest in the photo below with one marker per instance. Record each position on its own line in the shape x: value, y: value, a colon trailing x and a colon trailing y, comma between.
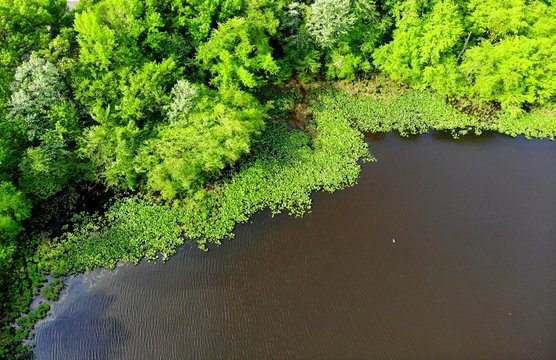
x: 128, y: 126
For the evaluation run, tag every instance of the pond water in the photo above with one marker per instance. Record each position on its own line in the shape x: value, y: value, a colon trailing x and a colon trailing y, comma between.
x: 445, y: 250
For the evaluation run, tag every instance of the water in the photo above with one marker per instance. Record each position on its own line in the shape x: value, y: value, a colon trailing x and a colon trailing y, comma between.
x: 445, y: 250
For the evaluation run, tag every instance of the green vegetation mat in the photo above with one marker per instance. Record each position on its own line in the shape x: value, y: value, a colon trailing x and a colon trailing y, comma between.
x: 417, y: 112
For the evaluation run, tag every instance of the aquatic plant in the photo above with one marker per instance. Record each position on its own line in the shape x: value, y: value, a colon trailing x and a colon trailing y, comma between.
x: 417, y: 112
x: 285, y: 168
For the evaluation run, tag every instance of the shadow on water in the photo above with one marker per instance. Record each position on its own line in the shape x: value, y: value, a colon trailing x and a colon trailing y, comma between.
x: 374, y: 137
x: 379, y: 137
x: 467, y: 138
x: 439, y: 135
x: 69, y: 335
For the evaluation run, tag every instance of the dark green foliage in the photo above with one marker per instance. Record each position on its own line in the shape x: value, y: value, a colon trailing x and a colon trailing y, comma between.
x: 14, y: 208
x: 26, y: 323
x: 39, y: 107
x: 53, y: 290
x: 301, y: 56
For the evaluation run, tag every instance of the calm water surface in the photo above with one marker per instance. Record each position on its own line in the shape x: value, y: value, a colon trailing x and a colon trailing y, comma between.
x: 471, y: 273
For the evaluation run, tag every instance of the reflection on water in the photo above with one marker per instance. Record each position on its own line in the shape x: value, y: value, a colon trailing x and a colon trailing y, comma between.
x: 445, y: 250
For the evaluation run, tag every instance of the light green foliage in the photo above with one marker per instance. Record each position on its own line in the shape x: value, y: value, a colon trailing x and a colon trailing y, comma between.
x: 425, y: 42
x: 198, y: 17
x: 111, y: 149
x: 540, y: 123
x: 499, y: 19
x: 96, y: 41
x: 516, y: 63
x: 184, y: 96
x: 62, y: 51
x: 122, y: 49
x: 209, y: 134
x: 417, y: 112
x: 342, y: 63
x: 144, y: 92
x: 501, y: 51
x: 238, y: 53
x: 413, y: 112
x: 14, y: 208
x: 125, y: 91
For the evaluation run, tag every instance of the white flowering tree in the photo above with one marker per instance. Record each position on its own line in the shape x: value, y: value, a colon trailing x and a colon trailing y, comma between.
x: 329, y: 20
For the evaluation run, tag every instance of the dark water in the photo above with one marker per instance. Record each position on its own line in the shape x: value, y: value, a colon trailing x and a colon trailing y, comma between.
x: 471, y: 274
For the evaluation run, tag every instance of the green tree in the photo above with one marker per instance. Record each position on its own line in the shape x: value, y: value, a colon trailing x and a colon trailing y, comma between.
x: 486, y: 50
x: 514, y: 61
x: 301, y: 54
x: 14, y: 208
x: 25, y: 26
x: 199, y: 17
x: 238, y: 53
x: 348, y: 32
x: 425, y: 43
x: 124, y: 80
x: 36, y: 88
x: 111, y: 143
x: 40, y: 108
x: 208, y: 132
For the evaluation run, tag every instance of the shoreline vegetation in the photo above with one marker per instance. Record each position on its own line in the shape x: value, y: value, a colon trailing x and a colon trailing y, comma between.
x: 286, y: 167
x: 129, y: 127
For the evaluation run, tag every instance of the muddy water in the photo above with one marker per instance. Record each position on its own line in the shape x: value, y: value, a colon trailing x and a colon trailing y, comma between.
x: 445, y: 250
